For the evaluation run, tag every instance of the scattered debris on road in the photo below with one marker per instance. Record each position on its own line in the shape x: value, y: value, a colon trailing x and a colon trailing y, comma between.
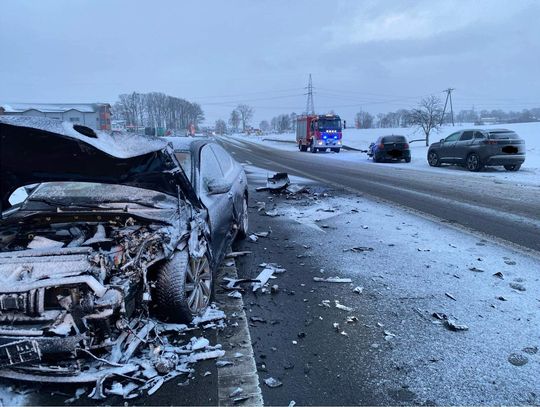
x: 358, y: 290
x: 272, y: 382
x: 332, y: 280
x: 452, y: 325
x: 233, y: 255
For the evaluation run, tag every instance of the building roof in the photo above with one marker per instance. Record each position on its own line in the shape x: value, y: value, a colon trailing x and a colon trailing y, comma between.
x: 51, y: 107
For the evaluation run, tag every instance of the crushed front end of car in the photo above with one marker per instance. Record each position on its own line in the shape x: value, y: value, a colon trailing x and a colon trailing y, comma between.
x: 79, y: 276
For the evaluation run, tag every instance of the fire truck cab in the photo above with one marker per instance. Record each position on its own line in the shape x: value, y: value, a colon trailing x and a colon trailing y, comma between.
x: 319, y: 133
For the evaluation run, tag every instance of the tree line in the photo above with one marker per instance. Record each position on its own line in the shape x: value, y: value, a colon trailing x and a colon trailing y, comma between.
x: 157, y: 109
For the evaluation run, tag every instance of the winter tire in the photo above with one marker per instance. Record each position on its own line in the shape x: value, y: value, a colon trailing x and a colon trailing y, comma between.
x: 433, y: 159
x: 184, y: 287
x: 473, y: 162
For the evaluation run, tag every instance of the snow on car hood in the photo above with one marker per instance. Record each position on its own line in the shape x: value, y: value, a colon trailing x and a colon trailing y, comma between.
x: 35, y: 150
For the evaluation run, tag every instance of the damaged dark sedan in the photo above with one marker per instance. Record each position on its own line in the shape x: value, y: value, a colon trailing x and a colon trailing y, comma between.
x: 113, y: 231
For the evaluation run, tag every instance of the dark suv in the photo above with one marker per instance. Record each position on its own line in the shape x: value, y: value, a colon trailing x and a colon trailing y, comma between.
x: 477, y: 148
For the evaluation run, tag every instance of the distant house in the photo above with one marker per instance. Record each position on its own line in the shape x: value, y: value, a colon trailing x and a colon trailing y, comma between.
x: 94, y: 115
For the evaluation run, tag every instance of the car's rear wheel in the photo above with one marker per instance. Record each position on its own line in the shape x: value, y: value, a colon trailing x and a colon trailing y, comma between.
x: 243, y: 221
x: 184, y: 287
x: 473, y: 162
x: 512, y: 167
x: 335, y: 150
x: 433, y: 159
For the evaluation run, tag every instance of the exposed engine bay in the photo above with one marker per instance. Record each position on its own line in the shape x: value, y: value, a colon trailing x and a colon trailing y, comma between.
x: 76, y: 288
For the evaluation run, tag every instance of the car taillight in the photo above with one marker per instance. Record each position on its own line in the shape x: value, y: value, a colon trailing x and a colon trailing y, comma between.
x: 406, y: 146
x: 381, y: 146
x: 490, y: 142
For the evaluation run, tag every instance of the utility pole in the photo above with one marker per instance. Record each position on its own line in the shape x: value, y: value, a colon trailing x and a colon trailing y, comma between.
x: 448, y: 98
x: 310, y: 109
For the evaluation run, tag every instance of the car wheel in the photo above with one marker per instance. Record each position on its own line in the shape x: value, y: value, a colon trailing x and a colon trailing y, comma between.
x: 376, y: 159
x: 243, y: 221
x: 433, y: 159
x: 473, y: 162
x: 184, y: 287
x: 408, y: 160
x: 512, y: 167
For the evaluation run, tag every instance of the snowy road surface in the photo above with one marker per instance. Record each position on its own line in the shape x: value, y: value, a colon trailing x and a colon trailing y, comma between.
x: 493, y: 206
x: 390, y: 342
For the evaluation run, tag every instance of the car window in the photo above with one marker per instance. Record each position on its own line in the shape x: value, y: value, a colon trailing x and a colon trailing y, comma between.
x: 225, y: 160
x: 453, y: 137
x: 467, y: 135
x: 479, y: 134
x: 394, y: 139
x: 210, y: 169
x: 184, y: 158
x: 503, y: 134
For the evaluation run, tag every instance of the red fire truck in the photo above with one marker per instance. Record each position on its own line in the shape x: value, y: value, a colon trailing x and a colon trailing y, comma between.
x: 319, y: 133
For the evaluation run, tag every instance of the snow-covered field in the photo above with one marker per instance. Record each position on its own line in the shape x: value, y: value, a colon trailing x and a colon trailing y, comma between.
x: 361, y: 138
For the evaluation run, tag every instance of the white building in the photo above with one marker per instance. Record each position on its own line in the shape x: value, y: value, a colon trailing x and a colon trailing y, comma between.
x: 94, y: 115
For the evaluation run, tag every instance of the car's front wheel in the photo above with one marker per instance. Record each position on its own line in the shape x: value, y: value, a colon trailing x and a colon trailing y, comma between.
x: 512, y: 167
x: 184, y: 287
x: 473, y: 162
x: 433, y: 159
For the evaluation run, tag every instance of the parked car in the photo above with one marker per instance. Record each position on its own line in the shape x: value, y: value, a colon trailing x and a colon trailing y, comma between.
x: 476, y: 148
x: 390, y: 148
x: 115, y: 228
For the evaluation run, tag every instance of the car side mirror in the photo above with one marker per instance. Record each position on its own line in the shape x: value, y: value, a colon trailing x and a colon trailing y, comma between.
x: 218, y: 186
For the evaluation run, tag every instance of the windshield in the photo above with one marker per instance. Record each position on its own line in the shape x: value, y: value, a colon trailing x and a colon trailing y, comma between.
x: 330, y: 124
x: 89, y: 193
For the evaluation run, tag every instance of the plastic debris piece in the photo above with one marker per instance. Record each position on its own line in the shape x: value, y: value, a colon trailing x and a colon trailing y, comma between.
x: 476, y: 269
x: 292, y: 403
x: 261, y: 234
x: 358, y: 290
x: 360, y: 249
x: 332, y: 280
x: 278, y: 181
x: 336, y: 326
x: 233, y: 255
x: 440, y: 316
x: 343, y: 307
x: 253, y: 238
x: 450, y: 296
x: 272, y: 383
x: 234, y: 294
x: 223, y: 363
x: 518, y: 287
x: 263, y: 278
x: 452, y: 325
x: 199, y: 343
x: 274, y: 289
x: 236, y: 392
x: 498, y: 274
x: 352, y: 319
x: 257, y: 319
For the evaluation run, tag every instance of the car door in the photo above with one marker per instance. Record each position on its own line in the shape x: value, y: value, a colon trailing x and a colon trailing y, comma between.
x: 219, y: 205
x: 447, y: 148
x: 462, y: 147
x: 232, y: 172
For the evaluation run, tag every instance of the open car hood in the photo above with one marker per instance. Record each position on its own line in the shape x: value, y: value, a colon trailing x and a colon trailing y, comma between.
x: 35, y: 150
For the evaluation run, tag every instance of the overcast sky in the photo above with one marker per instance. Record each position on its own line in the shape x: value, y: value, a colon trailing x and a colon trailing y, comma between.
x: 371, y: 55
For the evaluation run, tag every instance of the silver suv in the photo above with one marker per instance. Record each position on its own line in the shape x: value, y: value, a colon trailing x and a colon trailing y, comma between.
x: 476, y: 148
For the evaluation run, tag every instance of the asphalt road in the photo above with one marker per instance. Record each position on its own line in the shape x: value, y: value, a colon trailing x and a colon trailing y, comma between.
x: 500, y: 209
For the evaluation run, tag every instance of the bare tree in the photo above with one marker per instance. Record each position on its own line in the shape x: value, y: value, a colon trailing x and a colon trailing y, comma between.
x: 264, y: 125
x: 234, y: 120
x: 246, y: 113
x: 221, y: 127
x: 363, y: 120
x: 427, y: 116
